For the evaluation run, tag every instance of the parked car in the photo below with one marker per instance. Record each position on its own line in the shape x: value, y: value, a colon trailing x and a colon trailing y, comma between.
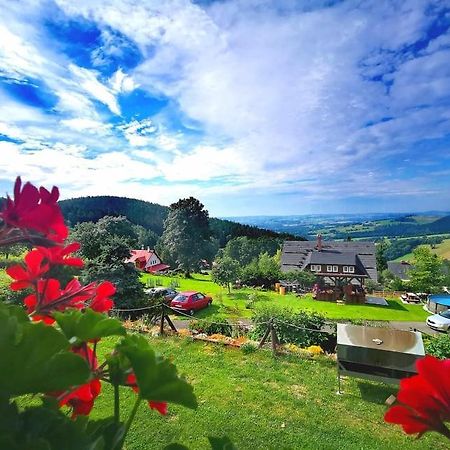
x: 440, y: 321
x: 166, y: 294
x: 190, y: 301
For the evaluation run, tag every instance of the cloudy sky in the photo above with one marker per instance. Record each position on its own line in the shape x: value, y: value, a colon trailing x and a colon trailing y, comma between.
x: 252, y: 106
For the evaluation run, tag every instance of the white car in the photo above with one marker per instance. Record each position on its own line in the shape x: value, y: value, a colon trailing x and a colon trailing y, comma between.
x: 439, y: 322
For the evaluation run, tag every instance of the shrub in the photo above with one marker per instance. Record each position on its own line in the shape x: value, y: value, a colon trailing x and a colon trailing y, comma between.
x: 212, y: 325
x: 248, y: 347
x: 439, y: 346
x: 294, y: 327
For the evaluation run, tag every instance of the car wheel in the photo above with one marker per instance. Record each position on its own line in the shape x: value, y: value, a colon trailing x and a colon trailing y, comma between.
x: 191, y: 312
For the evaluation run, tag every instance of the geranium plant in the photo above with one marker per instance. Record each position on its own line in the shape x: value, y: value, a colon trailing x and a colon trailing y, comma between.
x: 49, y: 346
x: 423, y: 401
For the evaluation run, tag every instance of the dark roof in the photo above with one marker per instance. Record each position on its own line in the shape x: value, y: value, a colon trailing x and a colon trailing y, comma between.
x: 297, y: 255
x: 400, y: 269
x: 333, y: 257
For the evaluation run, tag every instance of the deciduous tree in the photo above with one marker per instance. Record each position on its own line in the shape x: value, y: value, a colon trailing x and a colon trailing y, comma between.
x: 187, y: 237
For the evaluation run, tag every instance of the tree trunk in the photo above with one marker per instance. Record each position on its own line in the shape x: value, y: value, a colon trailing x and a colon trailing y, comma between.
x: 229, y: 288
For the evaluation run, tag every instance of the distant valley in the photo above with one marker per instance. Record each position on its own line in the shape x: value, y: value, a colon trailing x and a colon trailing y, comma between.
x: 355, y: 226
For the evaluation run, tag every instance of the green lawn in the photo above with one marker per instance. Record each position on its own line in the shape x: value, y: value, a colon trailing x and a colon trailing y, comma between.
x: 233, y: 305
x: 262, y: 403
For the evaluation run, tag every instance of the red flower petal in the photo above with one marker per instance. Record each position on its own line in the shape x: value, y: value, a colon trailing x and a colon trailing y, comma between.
x: 161, y: 407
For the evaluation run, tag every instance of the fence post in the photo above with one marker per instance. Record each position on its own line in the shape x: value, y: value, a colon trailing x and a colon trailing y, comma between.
x: 161, y: 324
x: 273, y: 338
x: 264, y: 338
x: 169, y: 321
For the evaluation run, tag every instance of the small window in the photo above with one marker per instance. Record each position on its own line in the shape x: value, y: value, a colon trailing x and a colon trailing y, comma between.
x: 329, y: 268
x: 335, y: 268
x: 345, y: 269
x: 351, y: 269
x: 200, y: 296
x: 316, y: 268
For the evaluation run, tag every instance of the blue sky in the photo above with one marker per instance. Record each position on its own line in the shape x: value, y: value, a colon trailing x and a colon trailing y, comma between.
x: 252, y: 106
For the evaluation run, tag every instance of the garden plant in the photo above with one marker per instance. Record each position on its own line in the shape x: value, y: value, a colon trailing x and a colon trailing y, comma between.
x: 50, y: 372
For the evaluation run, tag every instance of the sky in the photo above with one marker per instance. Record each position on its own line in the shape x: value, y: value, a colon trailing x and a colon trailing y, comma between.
x: 255, y: 107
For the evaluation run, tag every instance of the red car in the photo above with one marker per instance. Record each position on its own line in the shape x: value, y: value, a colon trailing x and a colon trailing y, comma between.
x: 190, y: 301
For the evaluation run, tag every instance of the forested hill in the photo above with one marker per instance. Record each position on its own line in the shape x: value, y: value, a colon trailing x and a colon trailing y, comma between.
x: 151, y: 216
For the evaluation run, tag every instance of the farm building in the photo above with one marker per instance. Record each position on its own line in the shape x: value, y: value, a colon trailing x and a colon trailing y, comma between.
x: 400, y: 269
x: 341, y: 268
x: 147, y: 260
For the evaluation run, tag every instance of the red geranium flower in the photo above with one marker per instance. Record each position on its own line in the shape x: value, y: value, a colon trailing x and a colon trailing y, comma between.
x: 101, y: 302
x: 424, y: 399
x: 36, y: 210
x: 27, y: 277
x: 60, y: 255
x: 82, y: 399
x: 50, y: 297
x: 161, y: 407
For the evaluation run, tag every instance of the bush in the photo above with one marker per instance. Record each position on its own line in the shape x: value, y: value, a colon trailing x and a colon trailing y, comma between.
x: 248, y: 347
x: 6, y: 294
x: 293, y: 327
x: 212, y: 325
x: 253, y: 298
x: 439, y: 346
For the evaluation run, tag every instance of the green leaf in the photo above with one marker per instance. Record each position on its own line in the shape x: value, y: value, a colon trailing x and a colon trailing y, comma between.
x: 35, y: 358
x: 107, y: 430
x: 222, y: 443
x: 80, y: 326
x: 43, y: 428
x: 118, y: 368
x: 156, y: 377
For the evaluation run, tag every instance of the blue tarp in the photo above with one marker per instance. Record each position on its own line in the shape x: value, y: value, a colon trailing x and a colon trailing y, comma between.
x: 440, y: 299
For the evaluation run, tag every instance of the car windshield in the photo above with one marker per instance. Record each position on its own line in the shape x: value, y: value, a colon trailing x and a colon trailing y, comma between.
x: 445, y: 314
x: 180, y: 298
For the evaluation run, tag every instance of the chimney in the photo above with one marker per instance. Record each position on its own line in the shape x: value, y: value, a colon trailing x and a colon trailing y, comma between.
x: 319, y: 243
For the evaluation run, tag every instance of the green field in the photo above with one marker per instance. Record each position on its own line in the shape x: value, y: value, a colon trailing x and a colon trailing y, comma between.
x: 264, y: 403
x: 442, y: 250
x: 233, y: 305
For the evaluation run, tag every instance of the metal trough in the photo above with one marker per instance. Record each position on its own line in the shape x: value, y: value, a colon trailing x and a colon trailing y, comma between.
x: 379, y: 354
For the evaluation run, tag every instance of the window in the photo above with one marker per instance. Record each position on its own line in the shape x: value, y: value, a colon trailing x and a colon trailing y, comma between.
x: 200, y: 296
x: 335, y: 268
x: 351, y: 269
x: 316, y: 267
x: 329, y: 268
x: 345, y: 269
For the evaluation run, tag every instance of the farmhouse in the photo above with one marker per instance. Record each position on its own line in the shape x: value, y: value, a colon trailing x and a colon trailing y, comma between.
x: 400, y: 269
x: 341, y: 268
x: 147, y: 260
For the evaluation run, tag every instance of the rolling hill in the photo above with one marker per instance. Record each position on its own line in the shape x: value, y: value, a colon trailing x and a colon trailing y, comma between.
x: 151, y: 216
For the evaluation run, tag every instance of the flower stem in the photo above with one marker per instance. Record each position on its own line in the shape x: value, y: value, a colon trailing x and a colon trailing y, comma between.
x: 116, y: 404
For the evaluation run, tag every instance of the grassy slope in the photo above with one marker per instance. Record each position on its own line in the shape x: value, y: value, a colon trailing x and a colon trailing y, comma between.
x: 442, y: 250
x: 250, y: 397
x: 234, y: 305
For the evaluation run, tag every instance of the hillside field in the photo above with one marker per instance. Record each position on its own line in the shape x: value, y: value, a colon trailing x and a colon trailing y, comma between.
x: 442, y: 250
x: 234, y: 305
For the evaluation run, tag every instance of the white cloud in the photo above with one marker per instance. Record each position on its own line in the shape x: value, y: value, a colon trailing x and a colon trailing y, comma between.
x: 120, y: 82
x: 287, y: 94
x: 89, y: 82
x: 89, y: 125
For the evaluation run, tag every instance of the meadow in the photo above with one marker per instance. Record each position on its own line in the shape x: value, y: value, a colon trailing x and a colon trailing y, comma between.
x: 264, y: 403
x: 234, y: 305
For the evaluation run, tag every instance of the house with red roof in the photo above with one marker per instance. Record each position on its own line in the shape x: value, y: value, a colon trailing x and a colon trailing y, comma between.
x: 147, y: 260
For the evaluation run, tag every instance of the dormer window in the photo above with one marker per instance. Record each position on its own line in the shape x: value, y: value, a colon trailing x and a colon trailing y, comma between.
x: 316, y: 267
x: 349, y: 269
